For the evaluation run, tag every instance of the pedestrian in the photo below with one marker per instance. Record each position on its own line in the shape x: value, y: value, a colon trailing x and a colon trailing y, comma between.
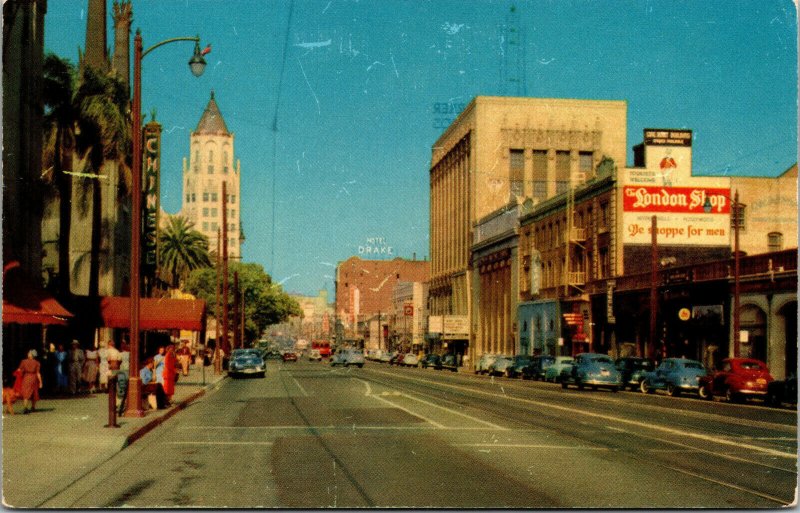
x: 158, y: 364
x: 151, y: 388
x: 170, y: 373
x: 125, y: 357
x: 31, y: 381
x: 76, y: 360
x: 103, y: 366
x: 90, y: 369
x: 60, y: 370
x: 114, y: 359
x: 185, y: 357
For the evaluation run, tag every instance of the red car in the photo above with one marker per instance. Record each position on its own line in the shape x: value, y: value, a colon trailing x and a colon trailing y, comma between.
x: 289, y: 356
x: 740, y: 378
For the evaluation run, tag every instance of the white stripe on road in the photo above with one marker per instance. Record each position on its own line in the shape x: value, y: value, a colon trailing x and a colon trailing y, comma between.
x: 432, y: 422
x: 535, y: 446
x: 346, y: 427
x: 216, y: 442
x: 305, y: 394
x: 454, y: 412
x: 663, y: 429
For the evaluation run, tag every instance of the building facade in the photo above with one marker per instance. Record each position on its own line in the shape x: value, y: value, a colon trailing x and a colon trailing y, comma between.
x: 408, y: 316
x: 211, y: 162
x: 317, y: 320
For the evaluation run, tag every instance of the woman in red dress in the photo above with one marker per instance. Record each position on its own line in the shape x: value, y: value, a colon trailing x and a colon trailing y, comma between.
x: 31, y: 382
x: 169, y: 373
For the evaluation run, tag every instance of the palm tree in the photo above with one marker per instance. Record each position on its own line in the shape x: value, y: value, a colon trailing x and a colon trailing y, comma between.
x: 58, y: 149
x: 182, y: 249
x: 103, y: 135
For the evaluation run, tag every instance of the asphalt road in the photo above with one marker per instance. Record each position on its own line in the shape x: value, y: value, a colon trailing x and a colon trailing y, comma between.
x: 309, y: 436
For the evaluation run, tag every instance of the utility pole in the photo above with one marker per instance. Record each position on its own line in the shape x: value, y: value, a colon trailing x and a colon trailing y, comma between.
x: 218, y: 319
x: 736, y: 291
x: 237, y: 341
x: 653, y: 287
x: 224, y: 268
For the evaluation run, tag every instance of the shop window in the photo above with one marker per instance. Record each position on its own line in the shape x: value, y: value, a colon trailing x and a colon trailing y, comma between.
x: 775, y: 241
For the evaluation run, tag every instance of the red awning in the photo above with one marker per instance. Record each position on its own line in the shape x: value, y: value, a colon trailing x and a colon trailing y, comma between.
x: 24, y: 303
x: 155, y: 313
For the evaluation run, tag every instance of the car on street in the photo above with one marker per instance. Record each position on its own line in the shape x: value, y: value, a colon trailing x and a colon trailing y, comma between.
x: 243, y: 363
x: 538, y: 366
x: 521, y: 363
x: 410, y: 360
x: 348, y: 357
x: 738, y: 379
x: 314, y: 356
x: 502, y: 365
x: 289, y: 356
x: 397, y: 358
x: 553, y: 372
x: 386, y: 357
x: 482, y: 366
x: 273, y: 354
x: 633, y: 369
x: 431, y: 360
x: 675, y: 375
x: 782, y: 391
x: 450, y: 362
x: 593, y: 370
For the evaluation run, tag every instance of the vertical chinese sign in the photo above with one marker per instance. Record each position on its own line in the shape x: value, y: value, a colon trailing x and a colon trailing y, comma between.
x: 150, y: 190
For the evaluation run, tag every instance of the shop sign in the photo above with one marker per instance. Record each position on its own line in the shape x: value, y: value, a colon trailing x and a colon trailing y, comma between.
x: 455, y: 327
x: 435, y: 324
x: 684, y: 314
x: 150, y: 190
x: 408, y: 310
x: 667, y: 137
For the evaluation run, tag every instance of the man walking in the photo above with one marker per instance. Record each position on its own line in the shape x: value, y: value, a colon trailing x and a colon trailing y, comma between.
x: 76, y: 360
x: 185, y: 357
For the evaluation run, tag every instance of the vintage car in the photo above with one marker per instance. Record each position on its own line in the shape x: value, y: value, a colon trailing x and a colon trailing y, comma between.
x: 502, y: 366
x: 538, y: 367
x: 347, y: 357
x: 593, y: 370
x: 633, y: 370
x: 553, y: 372
x: 738, y: 379
x: 244, y: 363
x: 483, y: 363
x: 675, y: 375
x: 431, y: 360
x: 782, y: 391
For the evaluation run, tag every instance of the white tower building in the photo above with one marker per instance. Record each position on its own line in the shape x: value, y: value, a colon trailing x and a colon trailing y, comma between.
x: 210, y: 163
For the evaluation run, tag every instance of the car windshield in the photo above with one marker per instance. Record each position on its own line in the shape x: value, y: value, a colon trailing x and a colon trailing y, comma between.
x: 751, y: 366
x: 602, y: 359
x: 693, y: 365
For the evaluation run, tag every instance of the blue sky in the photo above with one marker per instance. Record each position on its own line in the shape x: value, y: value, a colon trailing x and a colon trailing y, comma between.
x: 353, y: 97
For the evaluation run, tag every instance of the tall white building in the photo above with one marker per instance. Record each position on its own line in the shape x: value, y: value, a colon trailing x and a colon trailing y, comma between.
x: 210, y: 163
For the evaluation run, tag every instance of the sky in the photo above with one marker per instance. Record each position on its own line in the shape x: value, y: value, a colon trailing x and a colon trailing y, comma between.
x: 334, y: 103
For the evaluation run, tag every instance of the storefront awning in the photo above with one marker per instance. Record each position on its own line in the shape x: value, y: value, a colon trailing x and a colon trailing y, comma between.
x: 155, y: 313
x: 24, y: 303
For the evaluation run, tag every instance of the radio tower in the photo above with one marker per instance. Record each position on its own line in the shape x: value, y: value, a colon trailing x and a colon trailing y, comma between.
x: 514, y: 69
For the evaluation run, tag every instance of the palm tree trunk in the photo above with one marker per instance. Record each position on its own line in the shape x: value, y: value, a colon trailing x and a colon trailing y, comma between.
x: 94, y: 262
x: 63, y: 162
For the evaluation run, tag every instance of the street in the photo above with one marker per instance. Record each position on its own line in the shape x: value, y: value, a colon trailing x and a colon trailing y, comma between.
x: 309, y: 436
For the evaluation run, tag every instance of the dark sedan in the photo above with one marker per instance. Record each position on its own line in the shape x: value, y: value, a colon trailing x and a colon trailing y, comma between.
x: 782, y: 391
x: 593, y: 370
x: 538, y: 366
x: 431, y: 360
x: 633, y: 370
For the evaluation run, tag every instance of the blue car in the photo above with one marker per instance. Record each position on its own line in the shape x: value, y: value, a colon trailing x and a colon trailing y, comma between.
x: 593, y: 370
x: 675, y: 375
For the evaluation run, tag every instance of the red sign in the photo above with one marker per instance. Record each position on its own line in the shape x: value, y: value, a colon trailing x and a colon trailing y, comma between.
x: 692, y: 200
x: 573, y: 319
x: 408, y: 310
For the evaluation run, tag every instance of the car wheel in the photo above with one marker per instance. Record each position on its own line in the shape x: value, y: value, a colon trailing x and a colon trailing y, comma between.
x: 704, y: 392
x: 645, y: 387
x: 509, y: 374
x: 594, y: 387
x: 564, y: 385
x: 672, y: 391
x: 263, y: 374
x: 614, y: 389
x: 580, y: 386
x: 731, y: 397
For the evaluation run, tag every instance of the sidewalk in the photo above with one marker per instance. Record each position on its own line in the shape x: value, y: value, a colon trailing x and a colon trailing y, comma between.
x: 46, y: 451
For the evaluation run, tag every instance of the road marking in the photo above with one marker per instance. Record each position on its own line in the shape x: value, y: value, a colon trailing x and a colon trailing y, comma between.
x: 217, y: 442
x: 611, y: 418
x: 348, y: 427
x: 494, y: 426
x: 536, y: 446
x: 433, y: 422
x: 728, y: 485
x: 305, y: 394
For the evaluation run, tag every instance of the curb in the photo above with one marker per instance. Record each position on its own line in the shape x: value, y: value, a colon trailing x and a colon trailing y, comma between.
x: 139, y: 433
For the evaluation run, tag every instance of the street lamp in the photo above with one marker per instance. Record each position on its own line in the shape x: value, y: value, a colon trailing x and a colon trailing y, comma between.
x: 735, y: 212
x: 197, y: 64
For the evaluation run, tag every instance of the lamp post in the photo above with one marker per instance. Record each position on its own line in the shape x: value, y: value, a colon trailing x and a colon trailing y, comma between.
x: 735, y: 213
x: 197, y: 64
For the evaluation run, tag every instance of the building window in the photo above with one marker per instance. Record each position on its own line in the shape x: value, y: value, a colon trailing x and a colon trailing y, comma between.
x: 233, y: 213
x: 540, y: 174
x: 213, y: 196
x: 517, y: 172
x: 604, y: 215
x: 188, y: 198
x: 211, y: 169
x: 605, y: 264
x: 197, y: 161
x: 214, y: 226
x: 233, y: 198
x: 225, y: 162
x: 205, y: 196
x: 205, y: 212
x: 193, y: 198
x: 205, y: 226
x: 738, y: 216
x: 586, y: 163
x: 775, y: 241
x: 562, y: 171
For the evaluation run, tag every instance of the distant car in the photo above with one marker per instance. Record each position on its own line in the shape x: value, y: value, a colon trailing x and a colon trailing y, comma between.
x: 739, y: 378
x: 593, y: 370
x: 246, y: 363
x: 273, y: 355
x: 675, y: 375
x: 521, y: 363
x: 386, y: 357
x: 633, y: 370
x: 410, y: 360
x: 538, y: 366
x: 348, y: 357
x: 482, y: 366
x: 397, y: 358
x: 314, y: 355
x: 431, y: 360
x: 450, y: 362
x: 502, y: 366
x: 782, y: 391
x: 561, y: 363
x: 289, y: 356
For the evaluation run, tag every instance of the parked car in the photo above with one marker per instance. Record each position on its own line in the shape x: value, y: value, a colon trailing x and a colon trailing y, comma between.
x: 397, y: 358
x: 560, y: 364
x: 289, y: 356
x: 450, y: 362
x: 738, y: 379
x: 538, y: 366
x: 273, y: 355
x: 386, y: 357
x: 594, y: 370
x: 782, y: 391
x: 520, y: 363
x: 502, y: 366
x: 675, y: 375
x: 347, y: 357
x: 246, y: 363
x: 410, y: 360
x: 486, y: 359
x: 633, y: 370
x: 431, y: 360
x: 314, y: 355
